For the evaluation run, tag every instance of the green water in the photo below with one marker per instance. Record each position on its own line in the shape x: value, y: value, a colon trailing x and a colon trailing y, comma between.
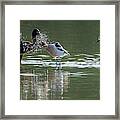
x: 79, y: 77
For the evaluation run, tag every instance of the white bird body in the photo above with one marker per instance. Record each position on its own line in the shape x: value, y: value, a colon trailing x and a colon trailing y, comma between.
x: 56, y: 50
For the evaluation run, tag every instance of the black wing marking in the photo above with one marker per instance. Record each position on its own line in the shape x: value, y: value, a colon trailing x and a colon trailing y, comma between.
x: 57, y: 44
x: 60, y: 49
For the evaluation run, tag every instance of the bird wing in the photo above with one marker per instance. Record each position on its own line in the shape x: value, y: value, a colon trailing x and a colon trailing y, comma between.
x: 60, y: 49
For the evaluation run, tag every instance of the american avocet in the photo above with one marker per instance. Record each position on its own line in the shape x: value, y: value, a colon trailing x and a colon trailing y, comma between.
x: 55, y: 50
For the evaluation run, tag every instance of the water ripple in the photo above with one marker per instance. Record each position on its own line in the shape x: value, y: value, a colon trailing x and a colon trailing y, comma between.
x: 77, y: 61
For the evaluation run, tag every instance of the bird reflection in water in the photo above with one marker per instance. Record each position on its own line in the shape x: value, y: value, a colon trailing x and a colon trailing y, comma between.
x: 59, y: 83
x: 49, y: 85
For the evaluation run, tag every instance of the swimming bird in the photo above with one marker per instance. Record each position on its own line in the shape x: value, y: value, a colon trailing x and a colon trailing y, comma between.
x: 53, y: 48
x: 27, y: 46
x: 40, y: 41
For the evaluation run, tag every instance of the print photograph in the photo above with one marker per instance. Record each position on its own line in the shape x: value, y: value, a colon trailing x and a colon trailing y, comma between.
x: 59, y: 59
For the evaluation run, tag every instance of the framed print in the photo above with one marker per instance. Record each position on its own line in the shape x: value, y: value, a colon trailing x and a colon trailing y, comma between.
x: 60, y: 59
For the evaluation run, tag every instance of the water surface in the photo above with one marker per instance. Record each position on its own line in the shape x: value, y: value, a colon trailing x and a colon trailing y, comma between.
x: 77, y: 77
